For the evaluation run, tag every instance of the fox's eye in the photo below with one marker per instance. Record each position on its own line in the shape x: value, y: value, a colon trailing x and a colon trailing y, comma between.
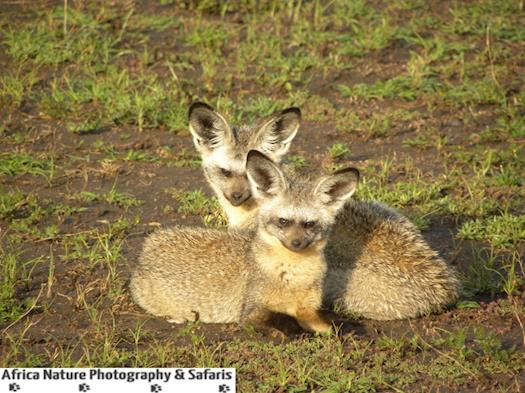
x: 225, y: 172
x: 309, y: 224
x: 283, y: 222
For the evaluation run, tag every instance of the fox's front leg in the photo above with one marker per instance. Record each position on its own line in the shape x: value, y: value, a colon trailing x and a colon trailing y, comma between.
x: 304, y: 308
x: 268, y: 322
x: 313, y: 320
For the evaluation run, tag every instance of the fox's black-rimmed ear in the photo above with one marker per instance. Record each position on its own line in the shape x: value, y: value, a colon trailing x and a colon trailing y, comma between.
x: 266, y: 179
x: 335, y: 189
x: 209, y: 128
x: 276, y: 133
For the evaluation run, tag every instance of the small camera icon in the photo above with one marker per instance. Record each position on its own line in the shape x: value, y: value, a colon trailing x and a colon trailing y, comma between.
x: 14, y: 387
x: 155, y: 388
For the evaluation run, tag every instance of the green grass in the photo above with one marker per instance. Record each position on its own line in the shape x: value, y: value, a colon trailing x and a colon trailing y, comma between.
x: 338, y: 151
x: 297, y: 161
x: 406, y: 88
x: 196, y: 203
x: 14, y: 164
x: 15, y: 86
x: 500, y: 231
x: 482, y: 276
x: 376, y: 124
x: 461, y: 356
x: 84, y: 127
x: 98, y: 249
x: 10, y: 202
x: 113, y: 97
x: 26, y: 215
x: 10, y: 308
x: 420, y: 141
x: 102, y: 92
x: 474, y: 92
x: 114, y: 197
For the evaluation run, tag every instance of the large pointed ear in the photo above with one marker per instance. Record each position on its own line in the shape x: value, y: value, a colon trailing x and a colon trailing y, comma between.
x: 276, y: 133
x: 335, y: 189
x: 266, y: 179
x: 209, y: 129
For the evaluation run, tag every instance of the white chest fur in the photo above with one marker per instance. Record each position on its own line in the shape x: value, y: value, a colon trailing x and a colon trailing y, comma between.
x: 291, y: 269
x: 239, y: 216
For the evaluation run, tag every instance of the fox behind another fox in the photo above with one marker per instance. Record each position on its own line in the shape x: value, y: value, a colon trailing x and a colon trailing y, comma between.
x: 276, y: 267
x: 380, y: 265
x: 223, y: 149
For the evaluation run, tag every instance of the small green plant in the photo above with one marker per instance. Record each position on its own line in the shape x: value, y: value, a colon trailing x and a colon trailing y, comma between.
x: 10, y: 202
x: 338, y: 151
x: 297, y: 161
x: 84, y: 127
x: 512, y: 280
x: 472, y: 92
x: 15, y: 87
x: 421, y: 141
x: 13, y: 273
x: 196, y: 203
x: 404, y: 87
x: 376, y: 126
x: 122, y: 199
x: 14, y: 164
x: 114, y: 197
x: 482, y: 276
x: 500, y: 231
x: 139, y: 155
x: 491, y: 345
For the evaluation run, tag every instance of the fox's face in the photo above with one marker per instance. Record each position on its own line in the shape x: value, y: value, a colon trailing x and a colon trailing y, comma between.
x: 225, y: 170
x: 224, y: 149
x: 294, y: 209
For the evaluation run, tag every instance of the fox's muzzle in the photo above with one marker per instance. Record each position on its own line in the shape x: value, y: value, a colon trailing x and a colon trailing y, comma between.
x: 296, y: 244
x: 237, y: 198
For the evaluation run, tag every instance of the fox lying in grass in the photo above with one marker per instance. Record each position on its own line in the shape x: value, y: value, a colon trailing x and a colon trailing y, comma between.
x: 277, y: 266
x: 380, y: 266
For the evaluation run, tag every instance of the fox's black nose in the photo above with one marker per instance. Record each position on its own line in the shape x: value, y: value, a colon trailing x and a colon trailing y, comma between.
x: 296, y: 243
x: 237, y: 198
x: 236, y: 195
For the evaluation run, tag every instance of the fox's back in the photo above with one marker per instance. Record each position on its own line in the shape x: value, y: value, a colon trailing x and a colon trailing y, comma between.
x: 187, y: 273
x: 384, y: 265
x: 371, y: 232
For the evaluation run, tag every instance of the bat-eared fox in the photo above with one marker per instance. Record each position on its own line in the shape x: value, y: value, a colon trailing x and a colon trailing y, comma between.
x: 379, y: 264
